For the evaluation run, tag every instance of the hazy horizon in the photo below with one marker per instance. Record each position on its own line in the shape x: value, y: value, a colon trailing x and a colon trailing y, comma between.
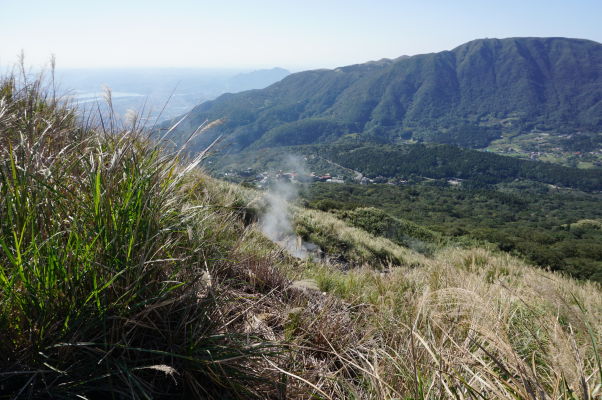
x: 267, y: 33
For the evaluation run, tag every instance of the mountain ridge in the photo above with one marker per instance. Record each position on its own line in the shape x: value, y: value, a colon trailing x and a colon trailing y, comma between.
x: 467, y: 96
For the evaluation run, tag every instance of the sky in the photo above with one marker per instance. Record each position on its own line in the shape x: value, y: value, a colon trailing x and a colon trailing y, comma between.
x: 294, y: 34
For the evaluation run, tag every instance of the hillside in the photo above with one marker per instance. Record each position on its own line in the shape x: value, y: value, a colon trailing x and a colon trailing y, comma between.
x: 520, y: 206
x: 127, y: 273
x: 479, y: 92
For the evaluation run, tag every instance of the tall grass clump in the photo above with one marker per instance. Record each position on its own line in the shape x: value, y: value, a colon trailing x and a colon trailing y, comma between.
x: 470, y: 324
x: 106, y: 262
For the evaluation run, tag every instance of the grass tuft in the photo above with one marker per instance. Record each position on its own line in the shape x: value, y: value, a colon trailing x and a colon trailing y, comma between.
x: 103, y: 246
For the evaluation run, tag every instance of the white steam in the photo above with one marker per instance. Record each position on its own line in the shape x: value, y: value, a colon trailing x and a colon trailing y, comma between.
x: 276, y: 222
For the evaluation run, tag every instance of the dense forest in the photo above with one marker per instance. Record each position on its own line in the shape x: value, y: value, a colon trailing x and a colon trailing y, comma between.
x: 414, y: 163
x: 551, y: 228
x: 441, y: 162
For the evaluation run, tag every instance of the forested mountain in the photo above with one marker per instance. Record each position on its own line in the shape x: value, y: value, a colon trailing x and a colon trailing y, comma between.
x: 468, y: 96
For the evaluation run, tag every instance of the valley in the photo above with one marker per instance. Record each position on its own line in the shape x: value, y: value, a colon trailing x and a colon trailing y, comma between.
x: 521, y: 215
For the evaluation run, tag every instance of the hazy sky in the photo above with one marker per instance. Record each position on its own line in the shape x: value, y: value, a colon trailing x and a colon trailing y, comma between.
x: 295, y: 34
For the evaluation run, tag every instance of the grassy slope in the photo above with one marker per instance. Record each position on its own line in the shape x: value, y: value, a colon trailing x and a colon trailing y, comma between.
x: 124, y: 273
x: 460, y: 320
x: 109, y: 250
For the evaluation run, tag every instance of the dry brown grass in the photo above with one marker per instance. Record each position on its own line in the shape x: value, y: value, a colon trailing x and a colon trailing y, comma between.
x: 465, y: 323
x: 470, y: 323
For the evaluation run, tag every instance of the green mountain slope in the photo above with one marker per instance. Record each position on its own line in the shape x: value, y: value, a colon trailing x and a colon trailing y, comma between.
x: 468, y: 96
